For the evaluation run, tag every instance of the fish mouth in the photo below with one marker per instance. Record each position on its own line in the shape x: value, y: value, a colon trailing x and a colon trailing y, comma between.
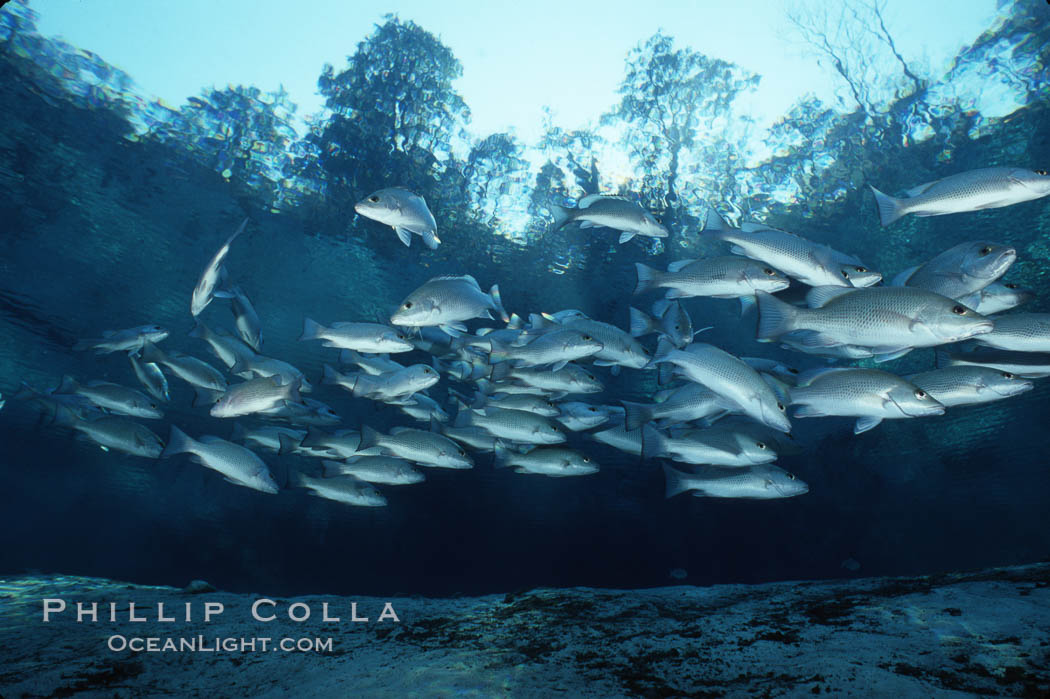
x: 983, y: 327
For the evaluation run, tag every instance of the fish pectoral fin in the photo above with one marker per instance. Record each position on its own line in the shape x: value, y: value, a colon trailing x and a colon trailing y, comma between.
x: 866, y: 423
x: 453, y: 329
x: 404, y: 235
x: 625, y: 236
x: 558, y: 366
x: 808, y: 411
x: 814, y: 338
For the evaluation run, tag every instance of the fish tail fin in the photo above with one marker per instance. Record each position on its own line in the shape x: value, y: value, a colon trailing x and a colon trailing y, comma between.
x: 890, y: 208
x: 641, y: 324
x: 503, y: 454
x: 311, y: 330
x: 330, y: 377
x: 314, y: 438
x: 68, y: 385
x: 198, y: 329
x: 369, y: 438
x: 288, y: 444
x: 151, y: 354
x: 653, y: 443
x: 714, y: 224
x: 84, y: 345
x: 494, y: 293
x: 775, y: 317
x: 178, y: 443
x: 941, y: 359
x: 500, y: 351
x: 636, y: 414
x: 64, y: 417
x: 498, y: 372
x: 648, y: 278
x: 562, y: 216
x: 675, y: 482
x: 294, y: 387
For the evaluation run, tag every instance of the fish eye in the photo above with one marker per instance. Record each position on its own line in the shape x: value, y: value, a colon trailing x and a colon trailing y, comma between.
x: 586, y: 459
x: 768, y: 271
x: 407, y: 304
x: 1041, y: 172
x: 792, y: 370
x: 462, y: 453
x: 1007, y: 375
x: 845, y: 274
x: 1010, y: 286
x: 862, y: 269
x: 593, y: 409
x: 959, y: 310
x: 780, y: 407
x: 761, y: 445
x: 657, y: 219
x: 791, y: 476
x: 426, y: 370
x: 985, y: 250
x: 587, y: 337
x: 374, y: 199
x: 920, y: 394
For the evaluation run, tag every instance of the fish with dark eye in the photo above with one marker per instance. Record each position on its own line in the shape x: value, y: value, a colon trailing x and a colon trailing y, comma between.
x: 961, y: 270
x: 997, y: 297
x: 404, y: 211
x: 129, y: 340
x: 600, y: 211
x: 969, y: 385
x: 206, y: 289
x: 761, y: 482
x: 358, y: 337
x: 446, y: 302
x: 555, y: 462
x: 974, y: 190
x: 727, y: 277
x: 1019, y: 332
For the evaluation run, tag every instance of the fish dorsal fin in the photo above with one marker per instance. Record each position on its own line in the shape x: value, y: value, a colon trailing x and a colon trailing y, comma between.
x: 458, y: 278
x: 819, y: 296
x: 902, y: 278
x: 921, y: 189
x: 588, y: 200
x: 677, y: 266
x: 753, y: 227
x: 808, y: 377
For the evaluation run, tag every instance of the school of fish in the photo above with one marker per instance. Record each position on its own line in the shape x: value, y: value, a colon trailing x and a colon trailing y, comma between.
x: 516, y: 385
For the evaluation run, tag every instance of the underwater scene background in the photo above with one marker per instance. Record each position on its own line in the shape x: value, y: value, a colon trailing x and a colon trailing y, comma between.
x: 112, y: 204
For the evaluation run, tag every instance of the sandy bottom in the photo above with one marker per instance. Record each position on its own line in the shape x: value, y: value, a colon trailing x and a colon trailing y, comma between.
x: 986, y: 632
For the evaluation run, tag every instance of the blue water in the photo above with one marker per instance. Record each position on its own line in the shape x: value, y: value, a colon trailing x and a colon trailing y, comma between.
x: 111, y: 206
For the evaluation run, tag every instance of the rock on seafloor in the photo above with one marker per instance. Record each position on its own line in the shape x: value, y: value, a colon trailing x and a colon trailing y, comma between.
x: 985, y: 632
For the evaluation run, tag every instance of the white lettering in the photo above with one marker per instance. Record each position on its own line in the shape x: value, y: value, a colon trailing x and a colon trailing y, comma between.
x: 212, y: 608
x: 324, y: 613
x: 353, y: 613
x: 388, y: 613
x: 113, y: 639
x: 51, y: 608
x: 131, y: 613
x: 291, y: 612
x: 255, y: 609
x: 83, y: 612
x: 160, y: 613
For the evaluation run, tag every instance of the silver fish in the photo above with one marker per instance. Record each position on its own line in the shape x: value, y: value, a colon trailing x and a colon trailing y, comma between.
x: 512, y: 425
x: 424, y: 408
x: 113, y: 397
x: 348, y: 490
x: 868, y: 394
x: 476, y: 438
x: 968, y: 385
x: 268, y: 438
x: 764, y: 482
x: 556, y: 348
x: 190, y: 369
x: 402, y: 210
x: 386, y: 470
x: 709, y: 446
x: 886, y: 319
x: 237, y: 464
x: 255, y: 396
x: 546, y: 461
x: 961, y: 270
x: 204, y: 292
x: 424, y: 448
x: 389, y: 388
x: 1027, y: 365
x: 150, y: 376
x: 1020, y: 332
x: 227, y: 349
x: 246, y: 320
x: 619, y: 349
x: 446, y: 302
x: 577, y: 416
x: 731, y: 378
x: 571, y: 378
x: 717, y: 277
x: 342, y: 444
x: 529, y: 403
x: 974, y: 190
x: 360, y: 337
x: 810, y: 263
x: 129, y: 340
x: 267, y: 367
x: 310, y: 412
x: 997, y: 297
x: 374, y: 364
x: 688, y: 403
x: 113, y: 432
x: 595, y: 210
